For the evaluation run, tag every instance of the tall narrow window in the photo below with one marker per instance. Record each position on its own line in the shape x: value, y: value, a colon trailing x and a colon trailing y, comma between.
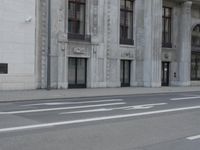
x: 195, y: 56
x: 166, y: 30
x: 196, y: 37
x: 76, y: 19
x: 126, y: 22
x: 195, y: 66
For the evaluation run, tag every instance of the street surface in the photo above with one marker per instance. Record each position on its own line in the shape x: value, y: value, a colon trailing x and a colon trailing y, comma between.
x: 169, y: 121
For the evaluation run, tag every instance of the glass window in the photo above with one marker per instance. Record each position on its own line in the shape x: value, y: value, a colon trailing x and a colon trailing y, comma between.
x: 3, y: 68
x: 195, y: 66
x: 195, y: 38
x: 125, y: 72
x: 76, y: 17
x: 77, y: 72
x: 166, y: 30
x: 126, y: 22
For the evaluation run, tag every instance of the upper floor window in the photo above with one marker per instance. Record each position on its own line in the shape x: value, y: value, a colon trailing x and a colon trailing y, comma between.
x: 167, y: 27
x: 126, y: 22
x: 76, y: 19
x: 196, y: 36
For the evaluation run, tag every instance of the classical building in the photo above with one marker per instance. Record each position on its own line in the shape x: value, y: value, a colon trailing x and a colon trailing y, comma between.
x: 111, y: 43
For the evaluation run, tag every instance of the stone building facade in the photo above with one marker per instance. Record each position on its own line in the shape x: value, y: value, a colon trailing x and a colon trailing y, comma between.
x: 116, y: 43
x: 156, y: 49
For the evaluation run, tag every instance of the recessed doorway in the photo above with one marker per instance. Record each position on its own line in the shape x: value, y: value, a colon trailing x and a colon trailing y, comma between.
x: 165, y: 73
x: 125, y: 73
x: 77, y: 72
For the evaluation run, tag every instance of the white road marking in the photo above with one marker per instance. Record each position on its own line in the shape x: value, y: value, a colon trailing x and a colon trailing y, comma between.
x: 193, y: 137
x: 71, y: 103
x: 145, y: 106
x: 86, y: 111
x: 45, y: 125
x: 60, y: 108
x: 185, y: 98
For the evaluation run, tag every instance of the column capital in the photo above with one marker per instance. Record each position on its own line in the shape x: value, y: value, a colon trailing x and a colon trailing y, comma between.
x: 186, y: 7
x: 187, y: 4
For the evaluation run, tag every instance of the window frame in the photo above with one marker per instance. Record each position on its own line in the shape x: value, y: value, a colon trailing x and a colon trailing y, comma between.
x: 195, y: 78
x: 123, y: 69
x: 74, y: 35
x: 197, y: 30
x: 3, y: 68
x: 126, y: 11
x: 166, y: 18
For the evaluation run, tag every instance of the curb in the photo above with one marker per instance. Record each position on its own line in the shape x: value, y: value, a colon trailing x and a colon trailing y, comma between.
x: 90, y: 96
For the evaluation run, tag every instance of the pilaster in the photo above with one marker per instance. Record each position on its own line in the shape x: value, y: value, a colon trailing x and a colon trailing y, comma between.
x: 152, y: 37
x: 112, y: 50
x: 62, y: 40
x: 184, y: 52
x: 140, y: 43
x: 42, y: 42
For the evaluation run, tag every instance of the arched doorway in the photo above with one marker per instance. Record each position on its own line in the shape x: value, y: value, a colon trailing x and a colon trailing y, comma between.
x: 195, y: 54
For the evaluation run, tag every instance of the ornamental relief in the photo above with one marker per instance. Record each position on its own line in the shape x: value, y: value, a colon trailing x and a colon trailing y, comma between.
x: 62, y: 37
x: 95, y: 17
x: 187, y: 7
x: 127, y: 54
x: 78, y: 50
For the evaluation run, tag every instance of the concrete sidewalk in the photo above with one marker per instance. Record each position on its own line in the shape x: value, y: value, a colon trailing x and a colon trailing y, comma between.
x: 6, y: 96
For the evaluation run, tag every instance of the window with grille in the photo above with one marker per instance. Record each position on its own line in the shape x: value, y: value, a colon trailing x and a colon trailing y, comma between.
x: 167, y: 27
x: 126, y: 22
x: 195, y: 66
x: 76, y: 19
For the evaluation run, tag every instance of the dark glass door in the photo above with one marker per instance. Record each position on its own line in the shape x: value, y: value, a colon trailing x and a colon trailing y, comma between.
x: 165, y: 73
x: 125, y: 73
x: 77, y: 72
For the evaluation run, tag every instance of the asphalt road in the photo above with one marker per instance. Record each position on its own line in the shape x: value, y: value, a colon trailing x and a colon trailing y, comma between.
x: 134, y: 122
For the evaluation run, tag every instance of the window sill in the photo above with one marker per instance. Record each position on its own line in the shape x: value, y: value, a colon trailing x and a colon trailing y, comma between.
x: 126, y: 42
x: 167, y: 45
x: 79, y: 37
x: 195, y: 49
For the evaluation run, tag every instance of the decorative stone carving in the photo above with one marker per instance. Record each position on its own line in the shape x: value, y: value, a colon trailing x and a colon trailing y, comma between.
x: 108, y: 51
x: 95, y: 17
x: 62, y: 37
x: 43, y: 35
x: 79, y: 50
x: 166, y: 56
x: 127, y: 55
x: 187, y: 7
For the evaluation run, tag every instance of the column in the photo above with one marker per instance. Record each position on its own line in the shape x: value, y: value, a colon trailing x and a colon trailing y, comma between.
x: 152, y: 43
x: 184, y: 51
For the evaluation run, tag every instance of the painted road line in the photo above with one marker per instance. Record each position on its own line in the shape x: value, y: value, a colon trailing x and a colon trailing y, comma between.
x: 59, y: 108
x: 53, y: 124
x: 185, y: 98
x: 193, y: 137
x: 71, y: 103
x: 86, y: 111
x: 146, y: 106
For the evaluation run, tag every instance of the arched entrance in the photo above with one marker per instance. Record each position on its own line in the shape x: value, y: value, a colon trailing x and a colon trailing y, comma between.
x: 195, y: 54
